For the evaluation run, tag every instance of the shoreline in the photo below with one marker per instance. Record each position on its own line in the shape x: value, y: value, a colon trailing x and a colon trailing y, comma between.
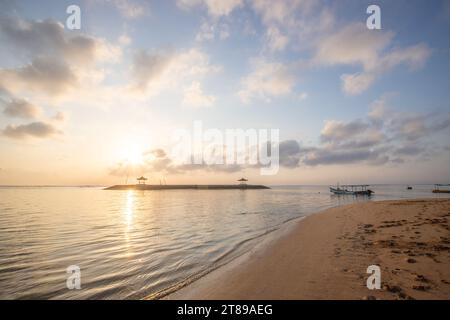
x: 266, y: 238
x: 325, y: 256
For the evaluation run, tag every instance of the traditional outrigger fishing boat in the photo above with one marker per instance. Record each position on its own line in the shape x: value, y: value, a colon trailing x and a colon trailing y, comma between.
x: 352, y: 189
x: 437, y: 188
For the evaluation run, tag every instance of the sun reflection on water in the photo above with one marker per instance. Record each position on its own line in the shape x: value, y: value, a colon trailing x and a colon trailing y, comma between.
x: 129, y: 209
x: 128, y: 220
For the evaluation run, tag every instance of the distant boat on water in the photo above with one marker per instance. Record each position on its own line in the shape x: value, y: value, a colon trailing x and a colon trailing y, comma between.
x: 437, y: 188
x: 352, y: 189
x: 408, y: 188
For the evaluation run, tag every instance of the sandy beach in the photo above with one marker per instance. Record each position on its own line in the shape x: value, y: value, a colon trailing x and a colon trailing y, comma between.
x: 326, y: 255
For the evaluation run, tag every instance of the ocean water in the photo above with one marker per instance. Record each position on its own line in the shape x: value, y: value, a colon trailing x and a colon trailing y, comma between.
x: 132, y: 244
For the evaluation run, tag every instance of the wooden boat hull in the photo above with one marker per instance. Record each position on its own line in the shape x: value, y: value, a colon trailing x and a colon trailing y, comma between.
x: 354, y: 193
x: 441, y: 191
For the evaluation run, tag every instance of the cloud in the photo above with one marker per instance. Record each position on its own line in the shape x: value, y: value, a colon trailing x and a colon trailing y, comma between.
x: 59, y: 116
x: 59, y: 61
x: 216, y: 8
x: 194, y: 96
x: 207, y: 32
x: 157, y: 160
x: 148, y: 67
x: 158, y: 153
x: 409, y: 150
x: 335, y: 131
x: 21, y: 108
x: 210, y: 30
x: 34, y: 129
x: 416, y: 127
x: 382, y: 137
x: 292, y: 22
x: 362, y: 46
x: 356, y: 83
x: 215, y: 25
x: 276, y: 41
x: 222, y: 8
x: 440, y: 125
x: 267, y: 80
x: 368, y: 49
x: 131, y: 9
x: 153, y: 72
x: 124, y: 40
x: 35, y: 38
x: 43, y: 74
x: 378, y: 110
x: 289, y: 153
x: 410, y: 127
x: 328, y: 156
x: 282, y: 12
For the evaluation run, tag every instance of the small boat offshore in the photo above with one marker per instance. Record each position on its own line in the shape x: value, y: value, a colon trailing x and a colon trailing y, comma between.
x: 352, y: 189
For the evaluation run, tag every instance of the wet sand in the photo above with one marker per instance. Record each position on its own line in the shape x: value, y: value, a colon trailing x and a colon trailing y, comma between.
x: 326, y: 255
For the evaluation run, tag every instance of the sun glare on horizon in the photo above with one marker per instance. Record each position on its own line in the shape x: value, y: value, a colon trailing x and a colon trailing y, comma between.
x: 131, y: 153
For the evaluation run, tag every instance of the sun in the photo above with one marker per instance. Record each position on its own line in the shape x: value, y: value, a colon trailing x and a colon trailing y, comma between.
x: 132, y: 154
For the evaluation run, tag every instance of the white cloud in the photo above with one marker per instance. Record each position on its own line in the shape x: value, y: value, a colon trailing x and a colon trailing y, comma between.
x: 414, y: 57
x: 210, y: 30
x: 124, y: 40
x: 152, y: 72
x: 59, y: 60
x: 356, y: 83
x: 130, y: 9
x: 194, y: 96
x: 207, y: 32
x: 268, y: 79
x: 282, y: 12
x: 62, y: 65
x: 362, y: 46
x: 368, y: 49
x: 276, y: 41
x: 222, y: 8
x: 215, y: 8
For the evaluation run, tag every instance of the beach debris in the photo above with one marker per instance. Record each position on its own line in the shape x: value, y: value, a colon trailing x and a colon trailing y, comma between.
x: 393, y: 289
x: 421, y: 278
x: 404, y: 296
x: 411, y: 260
x: 421, y: 288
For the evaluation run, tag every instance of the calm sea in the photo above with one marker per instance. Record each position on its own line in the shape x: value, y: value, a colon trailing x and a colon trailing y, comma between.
x: 131, y: 244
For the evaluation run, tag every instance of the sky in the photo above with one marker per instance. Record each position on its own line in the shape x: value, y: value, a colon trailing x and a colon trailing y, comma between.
x: 100, y: 105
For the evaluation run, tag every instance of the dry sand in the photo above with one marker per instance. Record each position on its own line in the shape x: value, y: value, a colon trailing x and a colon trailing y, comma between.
x: 326, y: 255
